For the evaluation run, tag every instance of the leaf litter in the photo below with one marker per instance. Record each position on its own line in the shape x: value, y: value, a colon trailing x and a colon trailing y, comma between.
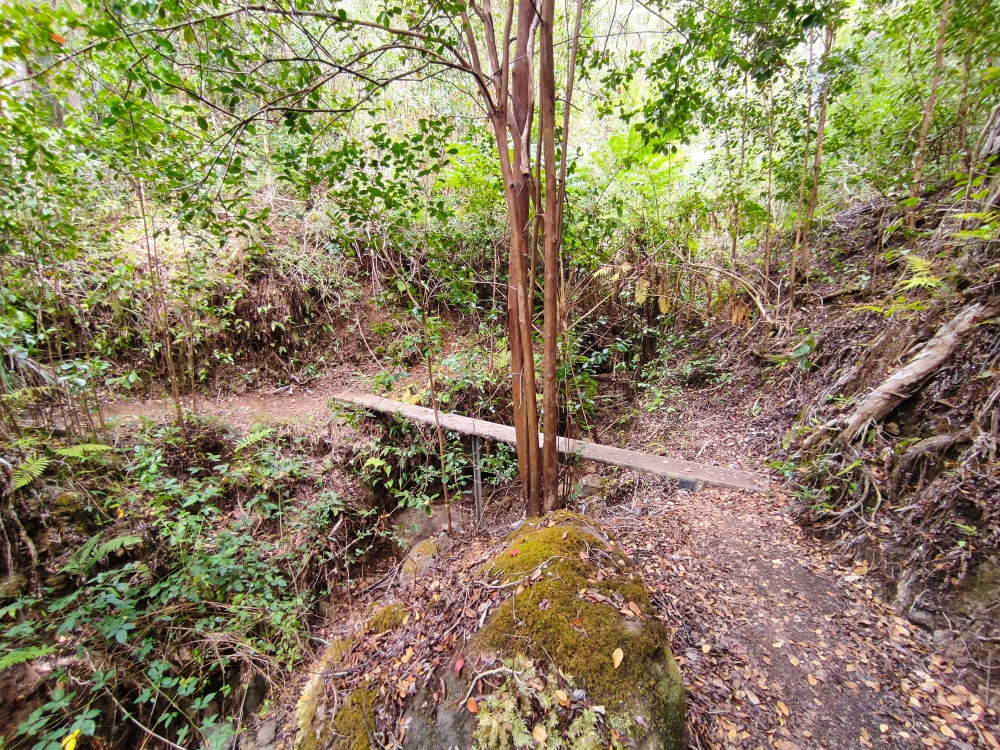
x: 779, y: 644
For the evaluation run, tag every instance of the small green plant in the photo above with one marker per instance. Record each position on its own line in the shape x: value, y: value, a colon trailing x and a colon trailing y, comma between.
x: 534, y: 709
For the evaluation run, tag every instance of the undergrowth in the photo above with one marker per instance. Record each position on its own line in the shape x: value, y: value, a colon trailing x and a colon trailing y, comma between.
x: 179, y: 584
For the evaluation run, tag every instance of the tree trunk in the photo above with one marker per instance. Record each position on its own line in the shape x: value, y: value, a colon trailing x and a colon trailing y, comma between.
x: 802, y: 199
x: 818, y: 158
x: 547, y: 128
x: 520, y: 291
x: 925, y: 121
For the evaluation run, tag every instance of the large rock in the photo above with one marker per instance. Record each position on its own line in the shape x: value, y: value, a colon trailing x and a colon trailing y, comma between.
x: 347, y: 729
x: 574, y: 589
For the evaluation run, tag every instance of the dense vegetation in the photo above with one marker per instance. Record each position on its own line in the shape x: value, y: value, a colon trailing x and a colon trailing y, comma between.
x: 208, y: 197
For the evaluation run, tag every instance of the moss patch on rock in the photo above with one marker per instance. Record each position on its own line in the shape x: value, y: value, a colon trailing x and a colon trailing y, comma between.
x: 418, y: 559
x: 312, y: 732
x: 354, y: 724
x: 555, y: 559
x: 386, y: 618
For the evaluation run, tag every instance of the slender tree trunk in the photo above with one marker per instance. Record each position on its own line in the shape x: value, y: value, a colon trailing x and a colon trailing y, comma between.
x: 919, y: 155
x: 520, y: 295
x: 965, y: 153
x: 770, y: 189
x: 159, y: 304
x: 824, y: 97
x: 547, y: 127
x: 802, y: 198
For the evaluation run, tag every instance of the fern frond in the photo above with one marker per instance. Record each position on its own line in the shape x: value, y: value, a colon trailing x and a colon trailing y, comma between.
x: 918, y: 266
x: 90, y: 553
x: 501, y: 361
x: 921, y: 282
x: 29, y: 470
x: 115, y: 545
x: 21, y: 655
x: 253, y: 438
x: 84, y: 450
x: 920, y: 274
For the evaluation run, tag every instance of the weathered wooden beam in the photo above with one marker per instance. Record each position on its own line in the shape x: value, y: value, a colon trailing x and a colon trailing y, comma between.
x: 673, y: 468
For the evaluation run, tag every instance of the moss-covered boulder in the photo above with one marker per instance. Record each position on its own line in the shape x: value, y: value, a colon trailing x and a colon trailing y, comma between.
x: 350, y: 728
x: 577, y: 603
x: 418, y: 559
x: 389, y: 617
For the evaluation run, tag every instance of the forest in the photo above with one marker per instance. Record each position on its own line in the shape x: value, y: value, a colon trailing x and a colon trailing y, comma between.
x: 758, y: 238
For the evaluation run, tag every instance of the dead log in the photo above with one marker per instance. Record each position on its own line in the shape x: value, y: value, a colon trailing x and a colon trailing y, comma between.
x: 908, y: 379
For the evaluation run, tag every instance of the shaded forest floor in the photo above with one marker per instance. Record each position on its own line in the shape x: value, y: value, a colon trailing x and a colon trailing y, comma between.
x: 782, y: 642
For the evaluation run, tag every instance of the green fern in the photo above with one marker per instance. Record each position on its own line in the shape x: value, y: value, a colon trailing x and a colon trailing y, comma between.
x: 501, y: 361
x: 29, y: 470
x: 84, y: 450
x: 20, y: 655
x: 920, y: 274
x: 115, y: 545
x: 253, y: 438
x: 90, y: 553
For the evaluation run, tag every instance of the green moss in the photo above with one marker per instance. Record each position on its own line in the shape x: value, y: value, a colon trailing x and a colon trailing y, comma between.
x: 581, y: 636
x: 418, y: 559
x: 354, y: 724
x: 386, y: 618
x: 313, y: 734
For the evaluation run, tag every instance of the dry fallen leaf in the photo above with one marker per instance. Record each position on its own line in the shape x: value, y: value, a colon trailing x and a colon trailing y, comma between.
x: 472, y: 705
x: 563, y: 697
x: 617, y: 657
x: 794, y: 660
x: 782, y: 708
x: 812, y: 680
x: 459, y: 663
x: 538, y: 734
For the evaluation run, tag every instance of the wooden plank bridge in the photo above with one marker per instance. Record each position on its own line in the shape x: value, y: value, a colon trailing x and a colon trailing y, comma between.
x: 693, y: 475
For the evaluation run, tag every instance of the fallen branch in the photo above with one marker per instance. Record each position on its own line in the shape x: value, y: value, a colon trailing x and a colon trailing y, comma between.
x: 908, y: 379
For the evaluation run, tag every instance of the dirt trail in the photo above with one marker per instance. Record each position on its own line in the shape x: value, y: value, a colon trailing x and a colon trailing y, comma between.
x: 296, y: 403
x: 781, y: 644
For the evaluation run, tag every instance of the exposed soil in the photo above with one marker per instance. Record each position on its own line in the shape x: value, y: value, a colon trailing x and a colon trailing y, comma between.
x: 305, y: 403
x: 781, y: 643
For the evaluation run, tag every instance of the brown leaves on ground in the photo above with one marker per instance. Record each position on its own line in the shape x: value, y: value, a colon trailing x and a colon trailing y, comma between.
x: 779, y: 645
x: 445, y: 607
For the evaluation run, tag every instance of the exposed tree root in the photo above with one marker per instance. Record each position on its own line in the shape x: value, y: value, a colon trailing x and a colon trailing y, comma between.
x: 907, y: 380
x: 933, y: 447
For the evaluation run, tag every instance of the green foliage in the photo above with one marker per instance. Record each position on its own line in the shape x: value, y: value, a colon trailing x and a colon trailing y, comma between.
x: 527, y: 699
x: 29, y: 470
x: 178, y: 590
x: 16, y: 656
x: 405, y: 465
x: 82, y: 451
x: 93, y: 552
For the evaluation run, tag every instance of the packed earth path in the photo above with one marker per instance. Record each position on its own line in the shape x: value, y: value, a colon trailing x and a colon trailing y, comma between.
x: 782, y: 642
